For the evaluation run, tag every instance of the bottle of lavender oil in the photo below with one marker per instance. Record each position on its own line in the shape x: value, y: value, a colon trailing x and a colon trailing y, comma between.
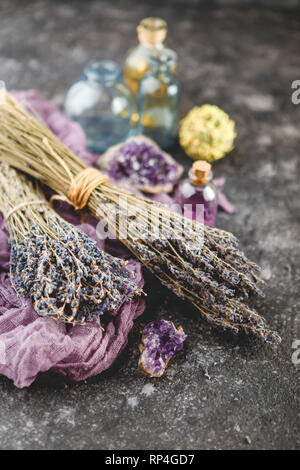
x: 198, y: 195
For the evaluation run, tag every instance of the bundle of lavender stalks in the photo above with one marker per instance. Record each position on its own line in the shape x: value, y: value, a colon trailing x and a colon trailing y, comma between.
x: 200, y: 264
x: 57, y: 266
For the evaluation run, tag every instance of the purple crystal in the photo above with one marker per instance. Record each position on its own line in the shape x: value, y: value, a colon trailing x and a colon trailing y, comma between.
x: 141, y: 163
x: 161, y: 340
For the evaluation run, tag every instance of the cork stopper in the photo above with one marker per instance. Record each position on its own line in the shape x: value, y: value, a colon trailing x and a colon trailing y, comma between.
x: 200, y: 171
x: 152, y: 30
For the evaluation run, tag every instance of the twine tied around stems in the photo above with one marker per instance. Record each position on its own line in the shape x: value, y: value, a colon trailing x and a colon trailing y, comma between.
x: 83, y: 185
x: 24, y: 204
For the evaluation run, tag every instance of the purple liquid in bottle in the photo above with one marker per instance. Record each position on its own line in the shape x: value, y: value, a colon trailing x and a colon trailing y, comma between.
x: 198, y: 196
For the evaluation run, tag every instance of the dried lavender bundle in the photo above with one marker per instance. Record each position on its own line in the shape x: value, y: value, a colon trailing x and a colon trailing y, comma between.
x: 58, y: 266
x: 200, y: 264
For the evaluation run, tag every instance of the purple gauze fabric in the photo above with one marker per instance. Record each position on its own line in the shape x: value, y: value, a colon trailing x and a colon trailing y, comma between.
x: 30, y: 344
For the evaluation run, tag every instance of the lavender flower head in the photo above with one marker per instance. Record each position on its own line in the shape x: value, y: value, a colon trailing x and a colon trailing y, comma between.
x: 161, y: 340
x: 140, y: 162
x: 56, y: 265
x: 69, y: 279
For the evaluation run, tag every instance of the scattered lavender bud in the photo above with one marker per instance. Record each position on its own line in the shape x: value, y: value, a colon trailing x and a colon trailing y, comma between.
x: 161, y: 340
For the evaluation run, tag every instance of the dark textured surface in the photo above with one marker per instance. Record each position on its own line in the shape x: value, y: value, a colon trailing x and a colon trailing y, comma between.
x: 219, y: 389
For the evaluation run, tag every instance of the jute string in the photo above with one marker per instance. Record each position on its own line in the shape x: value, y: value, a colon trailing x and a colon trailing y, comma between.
x: 22, y: 205
x: 82, y: 186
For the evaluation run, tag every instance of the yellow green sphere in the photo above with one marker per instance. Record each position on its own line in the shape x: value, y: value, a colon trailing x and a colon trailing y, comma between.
x: 207, y: 133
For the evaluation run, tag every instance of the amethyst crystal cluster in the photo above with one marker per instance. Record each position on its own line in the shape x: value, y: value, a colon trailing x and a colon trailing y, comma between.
x: 139, y: 162
x: 161, y: 340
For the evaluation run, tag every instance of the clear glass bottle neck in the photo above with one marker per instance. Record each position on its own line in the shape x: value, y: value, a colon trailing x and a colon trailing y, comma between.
x: 102, y: 71
x: 160, y: 66
x: 153, y: 46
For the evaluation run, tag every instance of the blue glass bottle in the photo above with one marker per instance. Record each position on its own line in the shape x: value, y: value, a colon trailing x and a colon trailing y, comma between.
x: 158, y: 101
x: 102, y: 104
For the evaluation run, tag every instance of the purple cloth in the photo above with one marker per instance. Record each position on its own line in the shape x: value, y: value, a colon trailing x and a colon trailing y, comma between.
x: 30, y: 344
x: 224, y: 203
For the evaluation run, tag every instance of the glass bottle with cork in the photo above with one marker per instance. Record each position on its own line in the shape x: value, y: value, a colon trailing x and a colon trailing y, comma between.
x: 151, y: 35
x: 198, y: 190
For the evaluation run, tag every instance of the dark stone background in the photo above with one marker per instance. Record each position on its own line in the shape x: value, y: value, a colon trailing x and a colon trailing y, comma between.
x: 219, y: 389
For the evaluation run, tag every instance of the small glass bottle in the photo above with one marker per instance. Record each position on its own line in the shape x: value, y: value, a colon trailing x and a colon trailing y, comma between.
x: 102, y: 104
x: 151, y: 34
x: 198, y: 190
x: 158, y: 102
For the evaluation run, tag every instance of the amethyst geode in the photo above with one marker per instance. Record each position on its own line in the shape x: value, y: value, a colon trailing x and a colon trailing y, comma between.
x: 161, y: 340
x: 140, y: 162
